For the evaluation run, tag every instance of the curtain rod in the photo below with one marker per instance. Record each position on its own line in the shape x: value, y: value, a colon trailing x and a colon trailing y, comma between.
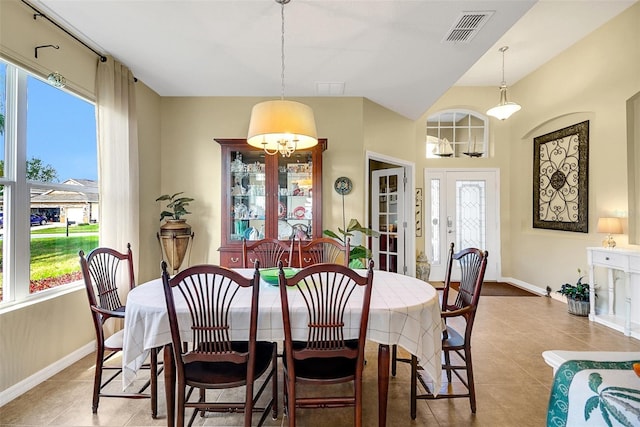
x: 38, y: 13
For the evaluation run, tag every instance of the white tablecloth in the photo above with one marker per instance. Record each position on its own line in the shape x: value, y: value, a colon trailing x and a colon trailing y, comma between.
x: 404, y: 311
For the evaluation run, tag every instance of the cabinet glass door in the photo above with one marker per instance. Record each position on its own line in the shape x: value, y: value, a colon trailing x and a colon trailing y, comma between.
x: 295, y: 191
x: 248, y: 195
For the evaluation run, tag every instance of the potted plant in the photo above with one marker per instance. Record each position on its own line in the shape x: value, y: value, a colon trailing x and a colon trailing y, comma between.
x: 175, y: 233
x: 577, y: 296
x: 357, y: 253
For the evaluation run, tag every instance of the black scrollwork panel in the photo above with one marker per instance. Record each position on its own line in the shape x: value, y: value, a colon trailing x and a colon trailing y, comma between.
x: 560, y: 179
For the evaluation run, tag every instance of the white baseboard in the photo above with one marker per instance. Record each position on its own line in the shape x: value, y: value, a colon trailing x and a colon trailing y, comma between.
x: 532, y: 288
x: 27, y: 384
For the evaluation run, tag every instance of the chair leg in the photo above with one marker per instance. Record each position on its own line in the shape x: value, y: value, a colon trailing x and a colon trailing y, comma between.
x: 291, y: 404
x: 358, y: 404
x: 472, y: 387
x: 97, y: 379
x: 447, y: 361
x: 285, y: 396
x: 153, y: 372
x: 202, y: 398
x: 394, y: 362
x: 180, y: 409
x: 248, y: 404
x: 274, y: 383
x: 414, y: 385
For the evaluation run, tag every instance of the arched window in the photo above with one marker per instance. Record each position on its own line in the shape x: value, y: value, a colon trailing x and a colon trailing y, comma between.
x: 457, y: 133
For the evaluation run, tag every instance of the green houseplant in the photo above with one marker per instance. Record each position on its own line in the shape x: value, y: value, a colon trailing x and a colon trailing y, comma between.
x: 177, y: 205
x: 175, y: 234
x: 577, y: 295
x: 357, y: 253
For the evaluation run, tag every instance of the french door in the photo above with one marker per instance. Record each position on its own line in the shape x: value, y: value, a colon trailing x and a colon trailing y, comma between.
x: 388, y: 218
x: 462, y: 206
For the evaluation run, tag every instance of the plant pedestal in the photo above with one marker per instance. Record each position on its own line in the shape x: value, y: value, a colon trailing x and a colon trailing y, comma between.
x: 578, y: 308
x: 174, y: 237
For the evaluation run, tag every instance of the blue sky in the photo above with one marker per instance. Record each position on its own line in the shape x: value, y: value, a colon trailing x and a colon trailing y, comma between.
x: 61, y: 129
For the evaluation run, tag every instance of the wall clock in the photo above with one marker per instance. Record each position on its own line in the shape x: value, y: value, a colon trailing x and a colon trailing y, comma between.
x: 343, y: 185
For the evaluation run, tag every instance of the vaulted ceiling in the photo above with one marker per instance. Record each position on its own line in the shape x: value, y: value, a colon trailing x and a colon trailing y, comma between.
x: 394, y: 52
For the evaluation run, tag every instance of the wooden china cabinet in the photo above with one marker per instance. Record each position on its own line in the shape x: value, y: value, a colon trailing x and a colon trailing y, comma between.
x: 268, y: 196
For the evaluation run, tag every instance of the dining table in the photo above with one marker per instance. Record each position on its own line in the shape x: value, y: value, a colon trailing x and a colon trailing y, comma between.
x: 404, y: 310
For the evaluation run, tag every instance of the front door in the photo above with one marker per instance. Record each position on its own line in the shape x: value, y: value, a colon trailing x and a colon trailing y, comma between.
x: 388, y: 218
x: 461, y: 206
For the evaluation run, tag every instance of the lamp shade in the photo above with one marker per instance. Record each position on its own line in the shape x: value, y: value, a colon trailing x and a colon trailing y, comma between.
x: 504, y: 109
x: 609, y: 225
x: 275, y: 121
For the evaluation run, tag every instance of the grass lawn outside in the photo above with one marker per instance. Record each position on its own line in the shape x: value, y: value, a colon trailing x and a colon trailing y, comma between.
x: 80, y: 228
x: 54, y: 260
x: 56, y: 256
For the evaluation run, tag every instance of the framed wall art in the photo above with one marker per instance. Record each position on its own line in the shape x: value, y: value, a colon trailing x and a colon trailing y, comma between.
x: 560, y: 179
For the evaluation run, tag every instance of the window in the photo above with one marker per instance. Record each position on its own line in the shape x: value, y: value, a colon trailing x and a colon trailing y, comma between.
x: 48, y: 183
x: 457, y: 133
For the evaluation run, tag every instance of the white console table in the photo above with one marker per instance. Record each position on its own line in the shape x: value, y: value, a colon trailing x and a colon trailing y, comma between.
x: 621, y: 264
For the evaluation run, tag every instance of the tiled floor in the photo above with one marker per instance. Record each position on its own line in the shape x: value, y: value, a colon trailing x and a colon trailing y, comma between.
x: 512, y: 379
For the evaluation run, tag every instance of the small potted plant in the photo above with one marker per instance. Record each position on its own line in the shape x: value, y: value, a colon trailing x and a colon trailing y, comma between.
x: 577, y: 296
x: 175, y: 233
x: 360, y: 252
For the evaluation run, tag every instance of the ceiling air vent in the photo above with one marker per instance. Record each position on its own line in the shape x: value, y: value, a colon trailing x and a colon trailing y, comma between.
x: 467, y: 26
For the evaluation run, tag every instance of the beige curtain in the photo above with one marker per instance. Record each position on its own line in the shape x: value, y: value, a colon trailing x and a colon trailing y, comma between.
x: 117, y: 157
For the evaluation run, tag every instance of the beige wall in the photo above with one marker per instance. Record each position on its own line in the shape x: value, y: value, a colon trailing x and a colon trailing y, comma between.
x: 191, y: 158
x: 177, y: 153
x: 36, y: 336
x: 20, y: 34
x: 591, y: 80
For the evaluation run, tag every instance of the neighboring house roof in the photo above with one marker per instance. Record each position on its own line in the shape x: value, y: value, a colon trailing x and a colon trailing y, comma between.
x: 66, y: 196
x: 84, y: 182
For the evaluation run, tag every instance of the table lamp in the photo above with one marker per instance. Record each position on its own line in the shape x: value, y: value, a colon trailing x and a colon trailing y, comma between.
x: 609, y: 226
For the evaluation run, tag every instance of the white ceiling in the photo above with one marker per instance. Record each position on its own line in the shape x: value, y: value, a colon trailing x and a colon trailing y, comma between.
x: 388, y: 51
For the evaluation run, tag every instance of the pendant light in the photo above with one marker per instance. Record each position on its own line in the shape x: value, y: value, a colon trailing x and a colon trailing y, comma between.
x: 504, y: 109
x: 281, y: 126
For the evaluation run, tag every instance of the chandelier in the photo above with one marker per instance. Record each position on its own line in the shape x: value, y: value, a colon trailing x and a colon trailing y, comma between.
x: 282, y: 126
x: 504, y: 109
x: 56, y: 79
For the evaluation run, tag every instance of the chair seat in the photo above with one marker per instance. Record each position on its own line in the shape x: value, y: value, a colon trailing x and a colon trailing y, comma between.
x: 223, y: 374
x: 115, y: 341
x: 324, y: 368
x: 453, y: 341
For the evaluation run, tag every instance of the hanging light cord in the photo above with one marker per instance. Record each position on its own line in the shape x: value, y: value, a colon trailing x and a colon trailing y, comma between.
x: 503, y: 50
x: 282, y: 3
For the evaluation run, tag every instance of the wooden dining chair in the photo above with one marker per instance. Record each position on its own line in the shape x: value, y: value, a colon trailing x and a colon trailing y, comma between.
x: 268, y: 252
x: 214, y: 358
x: 472, y: 263
x: 104, y: 271
x: 323, y: 250
x: 326, y: 347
